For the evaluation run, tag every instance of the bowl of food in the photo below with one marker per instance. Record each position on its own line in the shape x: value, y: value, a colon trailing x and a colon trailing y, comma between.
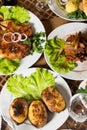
x: 22, y: 40
x: 72, y: 10
x: 65, y: 50
x: 30, y: 91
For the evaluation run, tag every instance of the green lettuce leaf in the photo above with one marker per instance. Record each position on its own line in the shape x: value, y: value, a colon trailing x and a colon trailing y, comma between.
x: 8, y: 66
x: 30, y: 87
x: 16, y: 13
x: 56, y: 56
x: 5, y: 12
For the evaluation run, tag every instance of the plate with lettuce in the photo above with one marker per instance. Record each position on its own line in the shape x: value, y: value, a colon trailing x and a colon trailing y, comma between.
x: 21, y: 15
x: 29, y: 84
x: 70, y: 10
x: 58, y: 59
x: 82, y: 87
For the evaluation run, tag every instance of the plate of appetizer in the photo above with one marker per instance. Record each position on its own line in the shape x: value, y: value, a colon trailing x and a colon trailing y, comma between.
x: 22, y: 40
x: 31, y: 93
x: 65, y: 50
x: 72, y: 10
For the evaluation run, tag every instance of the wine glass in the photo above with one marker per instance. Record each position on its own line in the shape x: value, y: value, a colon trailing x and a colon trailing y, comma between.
x: 78, y: 109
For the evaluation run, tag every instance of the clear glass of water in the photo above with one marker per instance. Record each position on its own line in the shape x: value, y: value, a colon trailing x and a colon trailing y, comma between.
x: 78, y: 109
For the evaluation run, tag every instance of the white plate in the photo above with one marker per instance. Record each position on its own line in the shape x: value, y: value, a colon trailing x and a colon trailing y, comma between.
x: 29, y: 60
x: 80, y: 72
x: 59, y: 12
x: 57, y: 120
x: 83, y: 84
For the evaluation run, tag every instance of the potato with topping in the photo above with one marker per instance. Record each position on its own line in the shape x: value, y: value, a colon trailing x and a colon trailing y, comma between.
x: 18, y: 110
x: 53, y: 99
x: 37, y: 113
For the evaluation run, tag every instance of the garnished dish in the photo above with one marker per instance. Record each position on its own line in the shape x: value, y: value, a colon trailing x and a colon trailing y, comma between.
x: 73, y: 10
x: 21, y: 39
x: 66, y: 50
x: 42, y: 96
x: 82, y: 87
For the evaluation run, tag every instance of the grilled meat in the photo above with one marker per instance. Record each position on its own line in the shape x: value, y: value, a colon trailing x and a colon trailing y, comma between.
x: 53, y: 99
x: 14, y: 50
x: 19, y: 110
x: 37, y: 113
x: 10, y: 49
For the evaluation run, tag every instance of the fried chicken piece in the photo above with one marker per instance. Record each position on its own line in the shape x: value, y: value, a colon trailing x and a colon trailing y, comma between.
x: 53, y: 99
x: 37, y: 113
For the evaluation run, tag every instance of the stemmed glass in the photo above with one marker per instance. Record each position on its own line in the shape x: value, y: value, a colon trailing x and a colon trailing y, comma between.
x: 78, y: 109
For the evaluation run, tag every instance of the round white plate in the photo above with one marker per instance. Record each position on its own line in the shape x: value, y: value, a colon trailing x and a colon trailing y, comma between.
x: 80, y: 72
x: 58, y: 118
x: 29, y: 60
x: 83, y: 84
x: 59, y: 12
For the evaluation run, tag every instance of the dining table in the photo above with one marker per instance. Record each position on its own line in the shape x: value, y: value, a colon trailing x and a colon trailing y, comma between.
x: 50, y: 22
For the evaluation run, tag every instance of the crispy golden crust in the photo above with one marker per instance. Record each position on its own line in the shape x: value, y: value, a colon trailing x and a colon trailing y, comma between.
x: 53, y: 99
x: 85, y: 6
x: 18, y: 110
x: 14, y: 50
x: 10, y: 49
x: 37, y: 113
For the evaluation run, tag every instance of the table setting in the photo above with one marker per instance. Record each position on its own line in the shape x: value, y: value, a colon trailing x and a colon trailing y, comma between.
x: 45, y: 53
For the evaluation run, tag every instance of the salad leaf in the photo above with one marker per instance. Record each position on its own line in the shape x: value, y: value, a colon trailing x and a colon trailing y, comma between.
x: 30, y: 87
x: 5, y: 12
x: 17, y: 13
x: 82, y: 90
x: 8, y: 66
x: 56, y: 56
x: 77, y: 14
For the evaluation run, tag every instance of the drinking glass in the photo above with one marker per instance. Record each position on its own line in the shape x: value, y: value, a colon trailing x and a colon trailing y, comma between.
x: 41, y: 5
x: 78, y: 109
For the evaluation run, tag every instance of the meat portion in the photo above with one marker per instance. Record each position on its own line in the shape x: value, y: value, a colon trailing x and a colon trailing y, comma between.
x: 10, y: 26
x: 53, y: 99
x: 14, y: 48
x: 19, y: 110
x: 37, y: 113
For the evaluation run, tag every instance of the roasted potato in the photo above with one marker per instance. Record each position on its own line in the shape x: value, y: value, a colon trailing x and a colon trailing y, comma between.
x: 53, y: 99
x: 37, y: 114
x: 19, y: 110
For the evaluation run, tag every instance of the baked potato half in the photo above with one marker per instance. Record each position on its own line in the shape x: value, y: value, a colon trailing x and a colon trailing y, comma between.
x: 37, y: 113
x: 18, y: 110
x: 53, y: 99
